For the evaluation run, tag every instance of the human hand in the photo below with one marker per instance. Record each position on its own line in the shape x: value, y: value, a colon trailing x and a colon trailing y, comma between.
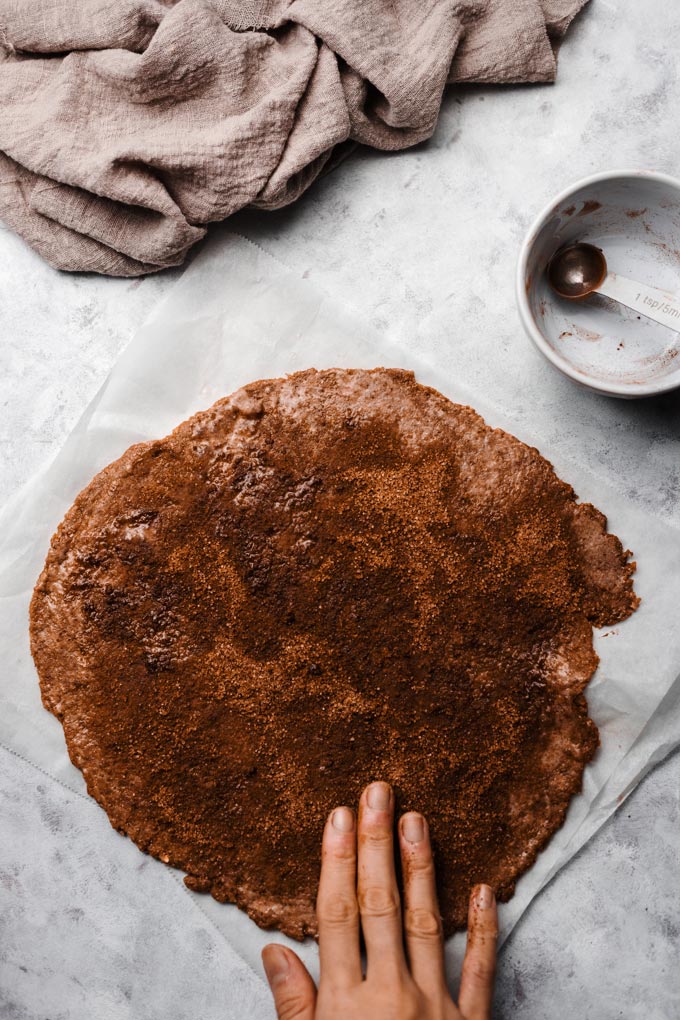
x: 400, y: 984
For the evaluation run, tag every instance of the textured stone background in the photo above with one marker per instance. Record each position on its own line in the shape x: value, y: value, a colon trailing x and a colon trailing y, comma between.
x: 423, y: 245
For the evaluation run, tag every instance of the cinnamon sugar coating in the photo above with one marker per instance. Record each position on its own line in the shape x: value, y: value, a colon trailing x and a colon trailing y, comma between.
x: 320, y: 581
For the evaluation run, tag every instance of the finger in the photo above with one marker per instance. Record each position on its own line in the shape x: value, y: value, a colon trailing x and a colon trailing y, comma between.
x: 377, y: 883
x: 337, y: 910
x: 479, y: 965
x: 292, y: 987
x: 422, y: 921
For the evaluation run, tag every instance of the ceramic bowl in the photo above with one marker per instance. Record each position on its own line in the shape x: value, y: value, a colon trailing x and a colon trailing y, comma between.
x: 634, y: 217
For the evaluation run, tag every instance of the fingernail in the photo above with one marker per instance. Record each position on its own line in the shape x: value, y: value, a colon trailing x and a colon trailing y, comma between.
x: 378, y: 796
x: 413, y: 828
x: 276, y: 965
x: 342, y: 819
x: 483, y: 896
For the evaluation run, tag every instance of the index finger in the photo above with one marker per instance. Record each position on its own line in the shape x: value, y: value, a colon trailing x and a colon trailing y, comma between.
x: 337, y: 910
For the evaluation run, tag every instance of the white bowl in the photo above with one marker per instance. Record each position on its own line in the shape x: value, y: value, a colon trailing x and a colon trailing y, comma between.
x: 634, y: 217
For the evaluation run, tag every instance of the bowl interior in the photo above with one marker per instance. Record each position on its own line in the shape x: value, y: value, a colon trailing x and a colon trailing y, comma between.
x: 635, y: 220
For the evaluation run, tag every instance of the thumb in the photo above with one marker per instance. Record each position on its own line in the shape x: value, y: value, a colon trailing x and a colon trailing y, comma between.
x: 293, y: 989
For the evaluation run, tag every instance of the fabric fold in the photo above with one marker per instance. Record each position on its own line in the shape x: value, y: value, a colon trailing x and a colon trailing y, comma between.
x: 126, y: 129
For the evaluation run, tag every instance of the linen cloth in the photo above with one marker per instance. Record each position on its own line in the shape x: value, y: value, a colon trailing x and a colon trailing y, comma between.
x: 127, y: 126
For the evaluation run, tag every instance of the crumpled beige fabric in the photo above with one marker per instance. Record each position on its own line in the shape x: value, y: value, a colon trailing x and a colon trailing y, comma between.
x: 126, y: 126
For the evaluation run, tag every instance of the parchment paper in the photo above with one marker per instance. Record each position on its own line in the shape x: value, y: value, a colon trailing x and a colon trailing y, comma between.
x: 238, y: 315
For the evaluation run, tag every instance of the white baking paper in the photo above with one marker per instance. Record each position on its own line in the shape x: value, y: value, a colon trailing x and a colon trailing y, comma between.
x: 238, y: 315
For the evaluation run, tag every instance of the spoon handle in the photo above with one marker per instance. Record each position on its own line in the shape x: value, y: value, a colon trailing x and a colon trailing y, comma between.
x: 661, y: 305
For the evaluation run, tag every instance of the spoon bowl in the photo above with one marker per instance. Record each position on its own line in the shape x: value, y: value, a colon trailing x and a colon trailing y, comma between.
x: 576, y: 271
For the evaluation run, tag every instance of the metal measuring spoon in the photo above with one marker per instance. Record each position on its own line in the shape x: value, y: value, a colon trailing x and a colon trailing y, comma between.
x: 580, y: 269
